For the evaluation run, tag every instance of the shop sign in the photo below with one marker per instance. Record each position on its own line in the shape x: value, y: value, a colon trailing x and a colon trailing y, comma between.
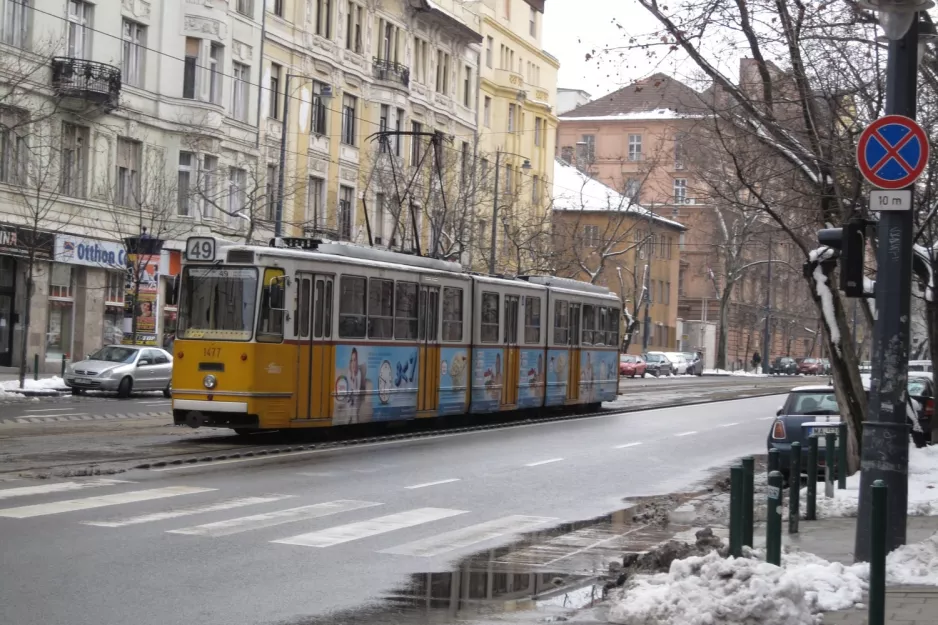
x: 18, y: 241
x: 76, y: 250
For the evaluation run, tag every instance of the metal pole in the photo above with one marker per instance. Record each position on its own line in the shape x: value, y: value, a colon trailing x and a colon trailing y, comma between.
x: 794, y: 480
x: 878, y: 524
x: 885, y: 435
x: 773, y: 460
x: 646, y: 331
x: 737, y: 499
x: 498, y: 155
x: 749, y: 467
x: 766, y: 348
x: 842, y: 458
x: 773, y: 538
x: 811, y: 510
x: 278, y: 215
x: 829, y: 463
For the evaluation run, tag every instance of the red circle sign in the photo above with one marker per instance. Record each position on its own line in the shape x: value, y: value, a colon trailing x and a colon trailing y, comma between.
x: 892, y: 152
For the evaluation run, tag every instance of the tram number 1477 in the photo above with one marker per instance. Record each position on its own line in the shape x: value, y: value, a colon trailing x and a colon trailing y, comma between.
x: 200, y: 249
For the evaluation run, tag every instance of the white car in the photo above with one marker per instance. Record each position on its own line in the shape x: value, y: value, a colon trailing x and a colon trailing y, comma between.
x: 678, y: 361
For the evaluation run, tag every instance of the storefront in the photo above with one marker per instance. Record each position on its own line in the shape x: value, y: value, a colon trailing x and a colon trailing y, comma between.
x: 16, y: 246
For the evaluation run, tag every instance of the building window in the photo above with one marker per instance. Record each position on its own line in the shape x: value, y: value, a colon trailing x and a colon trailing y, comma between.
x: 237, y: 195
x: 353, y: 28
x: 15, y: 28
x: 511, y: 118
x: 591, y: 236
x: 632, y: 188
x: 380, y: 217
x: 532, y: 23
x: 14, y: 150
x: 415, y: 139
x: 388, y: 48
x: 679, y: 153
x: 383, y: 127
x: 209, y: 185
x: 483, y: 170
x: 128, y: 171
x: 245, y: 7
x: 535, y: 190
x: 318, y: 121
x: 315, y: 198
x: 134, y: 51
x: 273, y: 91
x: 79, y: 29
x: 508, y: 180
x: 278, y: 8
x: 587, y: 149
x: 538, y: 130
x: 398, y: 127
x: 467, y: 87
x: 635, y: 147
x: 324, y: 18
x: 74, y: 159
x: 487, y: 112
x: 272, y: 186
x: 442, y: 72
x: 349, y: 107
x: 184, y: 184
x: 190, y: 67
x: 216, y: 68
x: 345, y: 212
x: 241, y: 75
x: 59, y: 330
x: 680, y: 190
x: 114, y: 292
x: 420, y: 60
x: 489, y: 44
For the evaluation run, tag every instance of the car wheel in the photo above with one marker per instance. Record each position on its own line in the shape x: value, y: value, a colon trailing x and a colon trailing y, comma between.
x: 632, y: 376
x: 76, y: 391
x: 168, y: 391
x: 644, y: 373
x: 124, y: 388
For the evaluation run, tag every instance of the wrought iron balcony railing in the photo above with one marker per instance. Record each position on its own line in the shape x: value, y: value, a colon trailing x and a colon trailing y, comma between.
x: 390, y: 71
x: 95, y: 82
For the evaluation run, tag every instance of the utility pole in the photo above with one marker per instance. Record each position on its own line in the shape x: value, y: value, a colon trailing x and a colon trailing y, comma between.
x: 647, y: 324
x: 885, y: 453
x: 766, y: 345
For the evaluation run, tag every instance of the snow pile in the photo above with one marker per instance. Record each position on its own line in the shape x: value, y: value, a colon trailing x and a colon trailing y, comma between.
x: 707, y: 589
x: 9, y: 388
x: 827, y: 300
x: 914, y: 564
x: 740, y: 372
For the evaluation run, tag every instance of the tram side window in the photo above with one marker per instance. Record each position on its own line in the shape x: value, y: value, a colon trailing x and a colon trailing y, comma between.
x: 352, y: 319
x: 380, y: 309
x: 490, y: 318
x: 452, y: 314
x: 327, y: 326
x: 405, y: 311
x: 561, y: 322
x: 589, y: 323
x: 270, y: 321
x: 318, y: 312
x: 532, y: 320
x: 599, y: 336
x: 574, y: 324
x: 301, y: 320
x: 612, y: 329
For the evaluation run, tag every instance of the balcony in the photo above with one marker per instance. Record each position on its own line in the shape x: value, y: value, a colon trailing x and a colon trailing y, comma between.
x: 390, y: 71
x: 87, y: 81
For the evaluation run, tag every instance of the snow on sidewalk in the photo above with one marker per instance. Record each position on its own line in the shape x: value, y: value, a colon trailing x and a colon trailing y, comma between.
x: 738, y: 373
x: 9, y: 388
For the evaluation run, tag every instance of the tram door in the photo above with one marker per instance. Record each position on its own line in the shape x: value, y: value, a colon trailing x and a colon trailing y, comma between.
x: 428, y: 336
x: 573, y: 367
x: 316, y: 353
x: 512, y: 356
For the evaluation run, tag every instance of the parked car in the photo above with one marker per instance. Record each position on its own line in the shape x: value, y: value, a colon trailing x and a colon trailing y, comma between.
x: 810, y: 366
x: 678, y: 362
x: 658, y: 364
x: 124, y: 369
x: 695, y: 363
x: 921, y: 388
x: 784, y: 365
x: 825, y: 366
x: 631, y: 365
x: 920, y: 365
x: 867, y: 367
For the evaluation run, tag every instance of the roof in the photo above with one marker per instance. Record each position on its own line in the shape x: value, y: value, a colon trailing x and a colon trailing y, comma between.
x: 658, y: 92
x: 817, y: 388
x: 663, y: 113
x: 575, y: 191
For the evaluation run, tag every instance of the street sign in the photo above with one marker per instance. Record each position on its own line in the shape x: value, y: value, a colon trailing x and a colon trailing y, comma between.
x: 892, y: 152
x: 881, y: 200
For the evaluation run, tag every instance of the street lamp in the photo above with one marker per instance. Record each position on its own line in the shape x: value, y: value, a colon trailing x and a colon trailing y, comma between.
x: 526, y: 166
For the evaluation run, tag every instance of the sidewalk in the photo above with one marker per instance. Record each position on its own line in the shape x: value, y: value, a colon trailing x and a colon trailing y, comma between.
x: 48, y: 384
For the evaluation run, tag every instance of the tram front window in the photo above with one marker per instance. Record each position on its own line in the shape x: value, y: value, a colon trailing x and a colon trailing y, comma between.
x: 217, y: 303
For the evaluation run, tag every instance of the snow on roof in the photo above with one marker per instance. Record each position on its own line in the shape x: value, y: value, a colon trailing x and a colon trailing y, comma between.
x: 573, y: 190
x: 813, y: 389
x: 633, y: 115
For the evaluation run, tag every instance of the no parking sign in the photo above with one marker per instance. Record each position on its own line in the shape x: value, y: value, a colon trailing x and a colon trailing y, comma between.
x: 892, y: 152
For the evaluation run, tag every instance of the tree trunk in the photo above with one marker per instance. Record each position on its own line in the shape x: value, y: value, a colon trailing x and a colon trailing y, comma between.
x: 136, y: 298
x: 723, y: 340
x: 851, y: 396
x: 629, y: 329
x: 24, y: 343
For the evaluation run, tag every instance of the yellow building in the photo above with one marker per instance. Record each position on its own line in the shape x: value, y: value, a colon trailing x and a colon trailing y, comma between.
x: 517, y: 123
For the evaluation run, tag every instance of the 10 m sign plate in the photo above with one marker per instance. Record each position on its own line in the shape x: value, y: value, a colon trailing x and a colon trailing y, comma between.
x: 882, y: 200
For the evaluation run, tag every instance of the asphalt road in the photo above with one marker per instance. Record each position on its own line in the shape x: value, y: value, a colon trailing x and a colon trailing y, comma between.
x: 287, y: 539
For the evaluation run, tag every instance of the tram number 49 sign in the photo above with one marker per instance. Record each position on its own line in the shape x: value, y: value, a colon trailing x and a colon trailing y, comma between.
x: 892, y: 153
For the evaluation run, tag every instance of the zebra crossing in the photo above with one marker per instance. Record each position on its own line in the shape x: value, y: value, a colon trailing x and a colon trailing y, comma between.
x: 301, y: 523
x: 81, y: 416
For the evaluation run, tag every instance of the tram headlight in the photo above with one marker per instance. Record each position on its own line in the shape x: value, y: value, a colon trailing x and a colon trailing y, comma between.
x: 209, y: 381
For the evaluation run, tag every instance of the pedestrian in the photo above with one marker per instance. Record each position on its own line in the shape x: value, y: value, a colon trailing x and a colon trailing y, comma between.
x: 756, y: 360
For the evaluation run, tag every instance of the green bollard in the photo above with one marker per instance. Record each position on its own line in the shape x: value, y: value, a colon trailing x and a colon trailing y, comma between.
x: 773, y: 460
x: 830, y: 442
x: 36, y: 367
x: 842, y: 458
x: 736, y: 511
x: 794, y: 482
x: 877, y: 598
x: 773, y: 539
x: 749, y: 470
x: 811, y: 511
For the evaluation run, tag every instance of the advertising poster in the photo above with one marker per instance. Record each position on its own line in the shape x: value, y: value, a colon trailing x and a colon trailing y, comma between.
x: 531, y: 378
x: 454, y: 376
x: 147, y: 306
x: 374, y: 383
x: 487, y: 380
x: 597, y: 376
x: 556, y: 377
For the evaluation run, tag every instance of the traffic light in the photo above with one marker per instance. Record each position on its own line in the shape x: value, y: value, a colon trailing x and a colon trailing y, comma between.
x: 851, y: 241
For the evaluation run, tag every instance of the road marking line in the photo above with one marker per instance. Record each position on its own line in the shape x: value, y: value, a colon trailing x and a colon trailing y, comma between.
x: 467, y: 536
x: 540, y: 462
x: 425, y: 484
x: 685, y: 433
x: 318, y: 473
x: 48, y: 409
x: 627, y: 445
x: 372, y: 527
x: 87, y: 503
x: 53, y: 417
x: 767, y: 418
x: 59, y: 487
x: 173, y: 514
x: 727, y: 425
x: 270, y: 519
x: 155, y: 403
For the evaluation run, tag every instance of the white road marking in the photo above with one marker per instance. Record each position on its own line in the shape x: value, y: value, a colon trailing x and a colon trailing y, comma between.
x: 767, y: 418
x: 87, y: 503
x: 156, y: 403
x: 727, y: 425
x: 60, y: 487
x: 173, y: 514
x: 425, y: 484
x: 270, y: 519
x: 461, y: 538
x: 318, y: 473
x: 685, y: 433
x: 627, y: 445
x: 54, y: 417
x: 372, y: 527
x: 48, y: 409
x: 540, y: 462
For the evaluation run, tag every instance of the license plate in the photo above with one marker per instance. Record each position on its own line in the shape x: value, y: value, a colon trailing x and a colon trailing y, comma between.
x: 82, y: 381
x: 821, y: 434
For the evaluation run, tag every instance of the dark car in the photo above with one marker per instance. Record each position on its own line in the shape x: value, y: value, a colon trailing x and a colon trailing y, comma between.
x: 921, y: 387
x: 810, y: 366
x: 784, y: 365
x: 694, y: 363
x: 631, y: 365
x: 657, y: 364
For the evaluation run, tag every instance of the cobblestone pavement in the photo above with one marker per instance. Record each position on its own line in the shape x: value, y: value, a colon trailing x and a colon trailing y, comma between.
x: 905, y: 605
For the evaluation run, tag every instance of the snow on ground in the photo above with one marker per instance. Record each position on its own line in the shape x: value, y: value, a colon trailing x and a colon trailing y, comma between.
x: 914, y: 564
x: 923, y: 488
x: 737, y: 373
x: 8, y: 387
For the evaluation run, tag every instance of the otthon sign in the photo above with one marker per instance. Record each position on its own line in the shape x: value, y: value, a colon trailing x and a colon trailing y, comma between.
x: 892, y: 152
x: 91, y: 252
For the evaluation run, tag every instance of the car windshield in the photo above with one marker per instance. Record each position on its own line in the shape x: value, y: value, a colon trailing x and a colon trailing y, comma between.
x: 809, y: 361
x: 812, y: 403
x: 627, y: 358
x: 113, y: 353
x: 917, y: 386
x: 217, y: 303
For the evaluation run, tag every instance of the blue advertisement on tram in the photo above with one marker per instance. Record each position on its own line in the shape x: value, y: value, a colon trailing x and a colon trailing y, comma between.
x: 597, y: 375
x: 487, y: 379
x: 557, y: 376
x: 454, y: 376
x: 374, y: 383
x: 531, y: 378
